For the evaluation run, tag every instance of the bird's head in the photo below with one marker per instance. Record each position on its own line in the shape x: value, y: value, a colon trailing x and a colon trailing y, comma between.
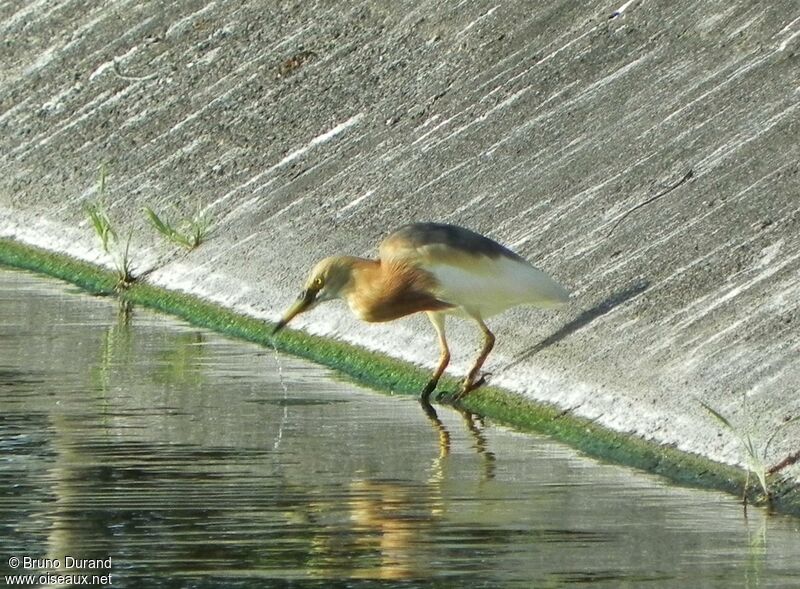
x: 325, y: 282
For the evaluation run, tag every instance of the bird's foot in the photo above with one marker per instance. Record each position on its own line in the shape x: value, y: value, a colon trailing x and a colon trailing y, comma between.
x: 450, y: 400
x: 480, y: 381
x: 448, y: 397
x: 453, y: 397
x: 471, y: 385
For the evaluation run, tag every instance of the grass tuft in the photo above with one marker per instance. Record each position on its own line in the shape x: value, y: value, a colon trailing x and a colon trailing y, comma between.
x: 189, y: 233
x: 755, y: 457
x: 108, y: 236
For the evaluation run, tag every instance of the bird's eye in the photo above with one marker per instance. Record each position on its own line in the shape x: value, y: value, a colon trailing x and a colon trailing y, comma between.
x: 318, y: 282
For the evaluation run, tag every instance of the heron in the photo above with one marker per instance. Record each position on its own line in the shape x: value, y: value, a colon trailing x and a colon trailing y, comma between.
x: 438, y: 269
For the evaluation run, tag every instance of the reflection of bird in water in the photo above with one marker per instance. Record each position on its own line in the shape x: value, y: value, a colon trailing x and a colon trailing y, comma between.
x: 389, y: 524
x: 392, y: 522
x: 385, y: 534
x: 474, y: 424
x: 439, y: 269
x: 441, y: 430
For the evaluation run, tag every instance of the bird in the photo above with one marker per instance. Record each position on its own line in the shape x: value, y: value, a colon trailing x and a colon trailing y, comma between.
x: 435, y: 268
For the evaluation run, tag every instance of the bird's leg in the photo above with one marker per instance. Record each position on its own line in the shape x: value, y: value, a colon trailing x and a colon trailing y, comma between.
x: 472, y: 421
x: 472, y: 381
x: 441, y: 430
x: 437, y: 319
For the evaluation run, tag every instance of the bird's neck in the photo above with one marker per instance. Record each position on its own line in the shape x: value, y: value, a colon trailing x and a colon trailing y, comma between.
x: 365, y: 275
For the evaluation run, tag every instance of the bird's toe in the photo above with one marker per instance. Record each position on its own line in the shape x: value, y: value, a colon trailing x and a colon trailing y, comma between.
x: 447, y: 397
x: 471, y: 385
x: 480, y: 381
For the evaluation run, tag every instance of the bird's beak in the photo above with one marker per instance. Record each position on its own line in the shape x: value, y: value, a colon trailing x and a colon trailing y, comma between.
x: 304, y: 302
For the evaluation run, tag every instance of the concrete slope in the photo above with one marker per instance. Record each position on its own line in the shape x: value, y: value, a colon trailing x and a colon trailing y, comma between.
x: 309, y: 128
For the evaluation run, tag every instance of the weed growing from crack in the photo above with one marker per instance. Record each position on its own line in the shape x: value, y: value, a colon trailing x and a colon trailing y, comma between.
x: 108, y: 235
x: 188, y: 233
x: 756, y: 457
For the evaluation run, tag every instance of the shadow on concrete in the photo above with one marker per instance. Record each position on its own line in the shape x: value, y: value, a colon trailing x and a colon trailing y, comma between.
x: 582, y: 320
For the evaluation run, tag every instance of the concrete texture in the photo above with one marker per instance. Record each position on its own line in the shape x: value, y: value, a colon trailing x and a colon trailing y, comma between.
x: 309, y: 128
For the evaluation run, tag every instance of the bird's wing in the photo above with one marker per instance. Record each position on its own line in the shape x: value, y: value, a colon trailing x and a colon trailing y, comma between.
x: 488, y: 286
x: 472, y: 271
x: 439, y: 239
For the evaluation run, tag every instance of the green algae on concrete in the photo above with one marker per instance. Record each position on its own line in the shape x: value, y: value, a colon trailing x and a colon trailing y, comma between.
x: 387, y: 374
x: 87, y: 276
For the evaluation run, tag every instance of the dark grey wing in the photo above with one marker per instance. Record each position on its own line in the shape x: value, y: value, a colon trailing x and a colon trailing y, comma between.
x: 410, y: 240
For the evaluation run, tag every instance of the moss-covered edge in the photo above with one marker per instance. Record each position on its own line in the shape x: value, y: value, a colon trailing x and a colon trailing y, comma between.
x: 387, y: 374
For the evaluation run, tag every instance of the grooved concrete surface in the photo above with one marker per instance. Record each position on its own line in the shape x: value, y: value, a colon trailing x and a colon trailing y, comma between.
x: 309, y: 128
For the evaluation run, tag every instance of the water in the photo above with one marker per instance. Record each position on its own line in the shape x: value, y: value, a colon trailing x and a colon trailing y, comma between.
x: 177, y: 454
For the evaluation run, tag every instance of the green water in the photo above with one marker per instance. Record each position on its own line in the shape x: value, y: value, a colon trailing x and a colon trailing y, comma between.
x: 191, y: 460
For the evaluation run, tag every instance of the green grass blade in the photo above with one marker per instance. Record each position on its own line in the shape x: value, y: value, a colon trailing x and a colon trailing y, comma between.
x: 745, y: 440
x: 721, y: 418
x: 754, y: 462
x: 167, y: 230
x: 101, y: 224
x: 160, y: 225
